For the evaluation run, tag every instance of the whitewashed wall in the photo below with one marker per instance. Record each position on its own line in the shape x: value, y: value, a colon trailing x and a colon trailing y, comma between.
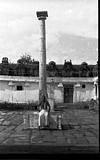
x: 24, y: 96
x: 29, y: 94
x: 84, y: 94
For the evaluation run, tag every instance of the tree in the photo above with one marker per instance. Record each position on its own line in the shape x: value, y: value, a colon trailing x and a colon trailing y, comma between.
x: 25, y: 59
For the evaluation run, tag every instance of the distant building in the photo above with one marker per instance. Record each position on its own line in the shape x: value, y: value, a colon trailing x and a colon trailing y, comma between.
x: 53, y: 70
x: 68, y: 83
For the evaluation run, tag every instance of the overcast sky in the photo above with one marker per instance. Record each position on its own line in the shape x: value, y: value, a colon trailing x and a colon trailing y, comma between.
x: 71, y: 29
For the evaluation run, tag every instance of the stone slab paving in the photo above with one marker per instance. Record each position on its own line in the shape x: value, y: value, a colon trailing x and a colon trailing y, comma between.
x: 81, y: 129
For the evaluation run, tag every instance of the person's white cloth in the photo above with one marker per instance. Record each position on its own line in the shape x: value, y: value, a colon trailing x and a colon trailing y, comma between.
x: 45, y: 113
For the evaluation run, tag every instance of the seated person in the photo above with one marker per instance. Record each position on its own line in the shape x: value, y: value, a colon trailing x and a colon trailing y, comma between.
x: 44, y: 111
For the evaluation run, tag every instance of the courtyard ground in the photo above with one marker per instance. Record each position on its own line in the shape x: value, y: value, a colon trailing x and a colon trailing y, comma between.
x: 80, y: 134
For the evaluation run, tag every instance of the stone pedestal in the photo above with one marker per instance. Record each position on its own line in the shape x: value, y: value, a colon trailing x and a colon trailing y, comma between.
x: 31, y: 120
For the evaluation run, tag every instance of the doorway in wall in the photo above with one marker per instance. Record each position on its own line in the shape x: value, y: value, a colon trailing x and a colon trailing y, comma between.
x: 68, y: 93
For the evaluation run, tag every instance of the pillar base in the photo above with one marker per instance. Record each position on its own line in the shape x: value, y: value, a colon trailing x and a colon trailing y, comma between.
x: 51, y: 102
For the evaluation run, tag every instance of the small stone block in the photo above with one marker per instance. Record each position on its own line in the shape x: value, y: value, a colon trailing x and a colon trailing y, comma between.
x: 34, y: 123
x: 53, y: 121
x: 31, y: 120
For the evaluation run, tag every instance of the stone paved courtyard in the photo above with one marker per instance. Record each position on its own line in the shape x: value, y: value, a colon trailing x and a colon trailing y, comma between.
x: 83, y: 130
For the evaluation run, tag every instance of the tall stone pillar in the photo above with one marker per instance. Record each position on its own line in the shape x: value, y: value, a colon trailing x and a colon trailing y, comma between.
x: 42, y: 65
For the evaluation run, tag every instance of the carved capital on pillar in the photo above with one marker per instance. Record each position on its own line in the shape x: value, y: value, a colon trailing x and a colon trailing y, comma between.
x: 42, y: 15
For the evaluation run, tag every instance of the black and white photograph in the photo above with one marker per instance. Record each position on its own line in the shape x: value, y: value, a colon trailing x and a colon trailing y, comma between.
x: 49, y: 92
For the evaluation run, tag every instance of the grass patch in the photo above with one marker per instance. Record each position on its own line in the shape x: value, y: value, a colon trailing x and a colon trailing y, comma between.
x: 17, y: 106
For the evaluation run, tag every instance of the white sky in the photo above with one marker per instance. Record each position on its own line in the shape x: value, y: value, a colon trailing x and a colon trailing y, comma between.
x: 71, y: 29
